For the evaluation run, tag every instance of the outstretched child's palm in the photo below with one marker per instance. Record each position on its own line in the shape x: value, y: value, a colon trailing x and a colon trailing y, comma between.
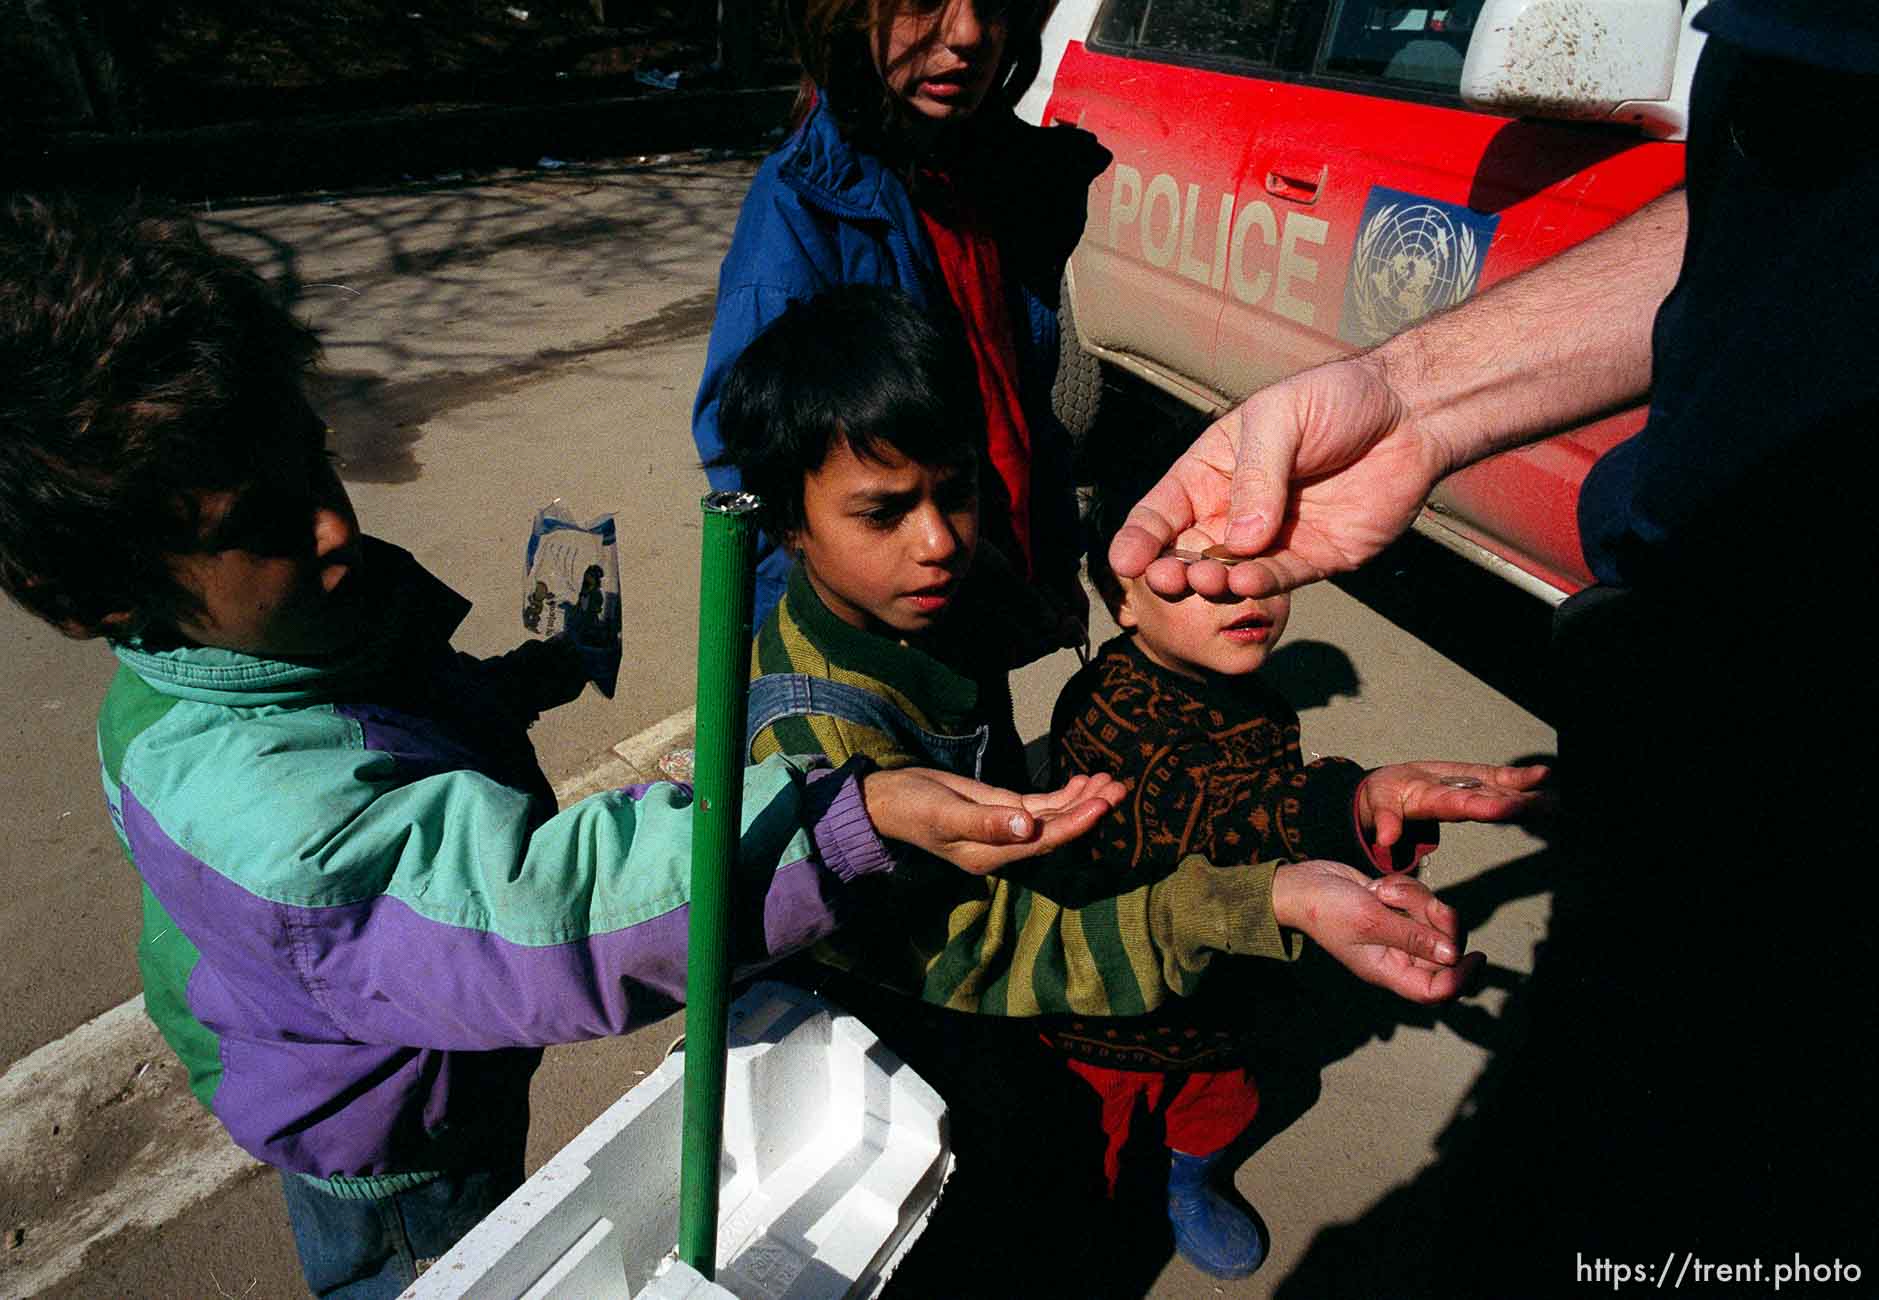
x: 980, y: 828
x: 1446, y: 792
x: 1392, y: 932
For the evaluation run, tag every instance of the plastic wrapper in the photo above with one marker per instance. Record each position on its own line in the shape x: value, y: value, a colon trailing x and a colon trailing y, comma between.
x: 573, y: 588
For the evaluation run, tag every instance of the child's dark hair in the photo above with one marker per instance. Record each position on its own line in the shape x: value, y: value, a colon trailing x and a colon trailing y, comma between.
x: 141, y: 367
x: 1119, y: 479
x: 861, y: 363
x: 835, y: 40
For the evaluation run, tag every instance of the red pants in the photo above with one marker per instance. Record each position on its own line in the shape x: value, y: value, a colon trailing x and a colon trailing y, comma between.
x: 1201, y: 1112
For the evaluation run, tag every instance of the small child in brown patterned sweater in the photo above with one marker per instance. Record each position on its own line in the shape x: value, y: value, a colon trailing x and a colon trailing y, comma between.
x: 1175, y: 706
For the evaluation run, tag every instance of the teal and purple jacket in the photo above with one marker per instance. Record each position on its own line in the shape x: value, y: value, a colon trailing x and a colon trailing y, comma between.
x: 363, y: 916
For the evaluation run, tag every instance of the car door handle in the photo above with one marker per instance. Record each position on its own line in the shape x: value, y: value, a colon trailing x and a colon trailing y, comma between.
x: 1298, y: 182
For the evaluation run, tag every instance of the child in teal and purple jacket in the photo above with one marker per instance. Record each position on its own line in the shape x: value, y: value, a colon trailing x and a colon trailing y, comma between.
x: 362, y: 914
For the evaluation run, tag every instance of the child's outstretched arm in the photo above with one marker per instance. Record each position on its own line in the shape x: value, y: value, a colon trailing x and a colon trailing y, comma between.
x: 439, y: 914
x: 1390, y: 797
x: 1051, y: 959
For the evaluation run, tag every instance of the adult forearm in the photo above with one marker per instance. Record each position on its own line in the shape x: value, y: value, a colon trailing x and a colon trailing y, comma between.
x: 1566, y: 342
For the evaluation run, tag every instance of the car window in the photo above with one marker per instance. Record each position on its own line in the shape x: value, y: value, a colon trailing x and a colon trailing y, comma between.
x: 1268, y: 33
x: 1411, y: 47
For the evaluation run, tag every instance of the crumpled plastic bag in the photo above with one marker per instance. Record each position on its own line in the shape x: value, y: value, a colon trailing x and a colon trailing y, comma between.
x: 573, y: 588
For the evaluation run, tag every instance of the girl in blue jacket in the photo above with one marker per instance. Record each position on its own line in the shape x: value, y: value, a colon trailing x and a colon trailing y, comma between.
x: 908, y: 169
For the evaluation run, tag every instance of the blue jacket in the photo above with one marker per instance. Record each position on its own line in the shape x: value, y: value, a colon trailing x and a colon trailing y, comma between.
x: 822, y: 213
x: 362, y: 913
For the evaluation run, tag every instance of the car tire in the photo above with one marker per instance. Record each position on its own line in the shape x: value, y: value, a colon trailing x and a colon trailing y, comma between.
x: 1078, y: 391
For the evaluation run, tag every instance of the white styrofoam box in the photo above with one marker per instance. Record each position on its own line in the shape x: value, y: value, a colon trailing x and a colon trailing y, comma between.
x: 834, y: 1154
x: 680, y: 1281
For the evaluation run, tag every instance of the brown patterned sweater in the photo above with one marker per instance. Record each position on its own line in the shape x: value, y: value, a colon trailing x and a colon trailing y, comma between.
x: 1216, y: 769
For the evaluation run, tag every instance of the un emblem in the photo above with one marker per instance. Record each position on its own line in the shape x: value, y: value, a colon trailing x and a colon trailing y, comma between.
x: 1413, y: 256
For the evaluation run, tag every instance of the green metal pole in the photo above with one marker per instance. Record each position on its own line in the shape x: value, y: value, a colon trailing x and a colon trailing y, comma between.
x: 724, y: 603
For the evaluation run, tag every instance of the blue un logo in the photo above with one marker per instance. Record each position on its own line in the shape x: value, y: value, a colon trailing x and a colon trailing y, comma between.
x: 1413, y: 256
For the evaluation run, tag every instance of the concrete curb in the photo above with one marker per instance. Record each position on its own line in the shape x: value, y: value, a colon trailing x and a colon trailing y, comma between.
x: 630, y: 762
x: 329, y: 151
x: 62, y: 1107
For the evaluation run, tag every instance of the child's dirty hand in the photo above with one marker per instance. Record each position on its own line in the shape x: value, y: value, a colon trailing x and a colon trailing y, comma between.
x: 1392, y: 796
x: 1390, y: 931
x: 977, y: 827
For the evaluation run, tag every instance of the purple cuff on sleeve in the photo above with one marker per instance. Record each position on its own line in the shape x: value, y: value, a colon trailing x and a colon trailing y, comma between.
x: 845, y: 836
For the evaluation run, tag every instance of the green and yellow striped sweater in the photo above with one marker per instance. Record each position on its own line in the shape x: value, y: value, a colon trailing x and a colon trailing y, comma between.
x: 991, y: 944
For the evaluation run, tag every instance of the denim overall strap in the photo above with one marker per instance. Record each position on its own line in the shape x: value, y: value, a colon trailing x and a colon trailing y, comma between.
x: 774, y: 696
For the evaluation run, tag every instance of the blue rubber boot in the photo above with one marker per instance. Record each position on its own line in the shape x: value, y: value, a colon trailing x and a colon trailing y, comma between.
x: 1211, y: 1234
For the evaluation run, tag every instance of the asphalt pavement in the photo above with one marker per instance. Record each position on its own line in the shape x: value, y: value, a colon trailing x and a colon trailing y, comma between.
x: 496, y: 343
